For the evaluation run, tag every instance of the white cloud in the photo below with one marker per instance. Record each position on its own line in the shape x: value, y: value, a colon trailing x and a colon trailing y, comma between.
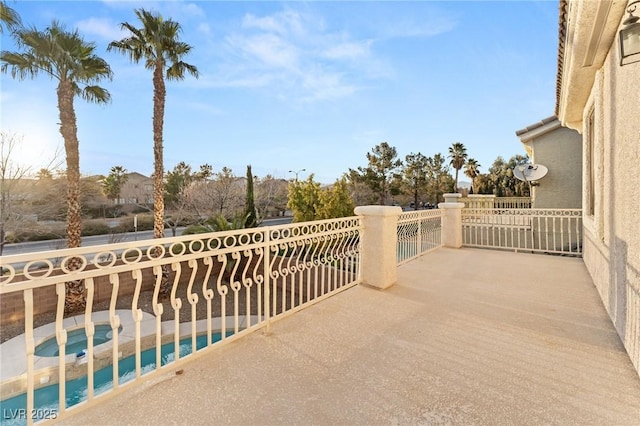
x: 192, y: 9
x: 269, y: 49
x: 237, y: 78
x: 204, y: 28
x: 324, y: 85
x: 284, y: 23
x: 203, y: 107
x: 408, y: 28
x: 295, y: 56
x: 348, y: 50
x: 102, y: 27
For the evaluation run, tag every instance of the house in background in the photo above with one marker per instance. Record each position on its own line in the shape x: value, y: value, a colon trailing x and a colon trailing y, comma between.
x: 137, y: 190
x: 600, y: 98
x: 560, y: 150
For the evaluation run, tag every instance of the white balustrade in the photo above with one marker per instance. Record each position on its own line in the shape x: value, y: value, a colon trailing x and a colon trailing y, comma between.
x: 418, y: 232
x: 553, y: 231
x: 231, y: 282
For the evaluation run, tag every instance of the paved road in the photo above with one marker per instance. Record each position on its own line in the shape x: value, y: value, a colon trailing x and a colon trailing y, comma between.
x: 95, y: 240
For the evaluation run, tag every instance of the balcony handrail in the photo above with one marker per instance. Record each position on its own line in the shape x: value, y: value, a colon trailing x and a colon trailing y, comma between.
x: 530, y: 230
x: 419, y: 232
x: 247, y: 276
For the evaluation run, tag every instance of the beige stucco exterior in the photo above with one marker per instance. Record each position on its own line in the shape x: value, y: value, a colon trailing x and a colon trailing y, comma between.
x: 560, y: 150
x: 138, y: 189
x: 378, y: 244
x: 608, y: 98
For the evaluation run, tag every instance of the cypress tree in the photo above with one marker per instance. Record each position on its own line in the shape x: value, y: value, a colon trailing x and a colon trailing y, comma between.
x: 250, y: 215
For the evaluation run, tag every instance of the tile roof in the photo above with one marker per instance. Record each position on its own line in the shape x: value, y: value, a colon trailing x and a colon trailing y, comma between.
x: 536, y: 125
x: 562, y: 34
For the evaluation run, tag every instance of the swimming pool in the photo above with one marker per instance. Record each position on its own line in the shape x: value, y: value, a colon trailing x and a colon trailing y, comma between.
x: 76, y: 341
x: 46, y: 398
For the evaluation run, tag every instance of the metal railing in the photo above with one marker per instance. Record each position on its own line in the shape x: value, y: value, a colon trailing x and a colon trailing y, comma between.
x: 418, y: 232
x: 161, y: 301
x: 493, y: 202
x: 553, y: 231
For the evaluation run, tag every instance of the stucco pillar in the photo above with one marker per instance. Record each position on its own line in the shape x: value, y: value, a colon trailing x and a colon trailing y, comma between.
x: 378, y: 245
x: 451, y: 221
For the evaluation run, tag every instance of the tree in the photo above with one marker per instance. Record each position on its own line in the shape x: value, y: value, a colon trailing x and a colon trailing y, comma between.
x: 458, y: 156
x: 69, y: 59
x: 336, y: 201
x: 205, y: 172
x: 304, y: 199
x: 382, y: 172
x: 179, y: 196
x: 309, y: 201
x: 250, y: 215
x: 271, y: 195
x: 439, y: 180
x: 112, y: 184
x: 415, y: 175
x: 11, y: 174
x: 158, y: 43
x: 472, y: 170
x: 360, y: 193
x: 504, y: 182
x: 176, y: 181
x: 224, y: 193
x: 8, y: 17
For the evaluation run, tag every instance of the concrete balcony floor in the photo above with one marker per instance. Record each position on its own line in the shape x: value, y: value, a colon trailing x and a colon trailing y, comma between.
x: 466, y: 337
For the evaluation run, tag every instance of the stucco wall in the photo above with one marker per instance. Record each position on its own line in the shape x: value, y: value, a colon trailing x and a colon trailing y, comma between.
x: 612, y: 233
x: 560, y: 150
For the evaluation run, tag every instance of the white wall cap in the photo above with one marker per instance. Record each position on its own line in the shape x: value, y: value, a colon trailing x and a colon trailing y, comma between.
x: 378, y: 211
x: 451, y: 206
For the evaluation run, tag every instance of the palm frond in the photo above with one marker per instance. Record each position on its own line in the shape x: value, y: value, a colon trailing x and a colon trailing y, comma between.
x: 95, y: 94
x: 63, y: 55
x: 9, y: 17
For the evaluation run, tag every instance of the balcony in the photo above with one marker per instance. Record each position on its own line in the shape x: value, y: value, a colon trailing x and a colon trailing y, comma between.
x: 465, y: 336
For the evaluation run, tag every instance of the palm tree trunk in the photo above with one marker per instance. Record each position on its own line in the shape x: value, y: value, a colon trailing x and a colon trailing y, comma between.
x: 75, y: 298
x: 455, y: 188
x: 159, y: 94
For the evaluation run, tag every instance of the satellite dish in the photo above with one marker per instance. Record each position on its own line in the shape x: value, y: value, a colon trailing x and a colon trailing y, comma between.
x: 530, y: 172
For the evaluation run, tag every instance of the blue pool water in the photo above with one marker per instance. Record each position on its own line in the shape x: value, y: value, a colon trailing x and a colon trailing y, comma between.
x: 76, y: 341
x: 46, y: 399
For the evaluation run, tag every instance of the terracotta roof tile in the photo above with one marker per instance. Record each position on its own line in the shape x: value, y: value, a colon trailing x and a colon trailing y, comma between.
x: 562, y: 35
x: 536, y: 125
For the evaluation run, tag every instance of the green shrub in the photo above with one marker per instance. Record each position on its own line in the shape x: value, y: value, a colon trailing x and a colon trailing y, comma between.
x: 140, y: 209
x: 44, y: 236
x: 95, y: 227
x: 196, y: 229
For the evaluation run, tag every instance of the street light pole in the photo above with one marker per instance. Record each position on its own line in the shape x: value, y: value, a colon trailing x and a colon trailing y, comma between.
x: 296, y: 172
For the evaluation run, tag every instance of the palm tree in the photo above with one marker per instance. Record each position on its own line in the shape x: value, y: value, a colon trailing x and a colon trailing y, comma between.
x: 112, y: 184
x: 69, y: 59
x: 157, y: 43
x: 8, y: 17
x: 458, y: 156
x: 472, y: 170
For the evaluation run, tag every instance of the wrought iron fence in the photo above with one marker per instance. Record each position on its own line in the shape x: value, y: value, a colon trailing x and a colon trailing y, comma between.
x: 553, y: 231
x: 418, y: 232
x: 160, y: 301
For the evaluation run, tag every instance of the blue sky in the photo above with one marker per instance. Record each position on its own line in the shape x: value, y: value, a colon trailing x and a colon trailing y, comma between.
x: 293, y: 85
